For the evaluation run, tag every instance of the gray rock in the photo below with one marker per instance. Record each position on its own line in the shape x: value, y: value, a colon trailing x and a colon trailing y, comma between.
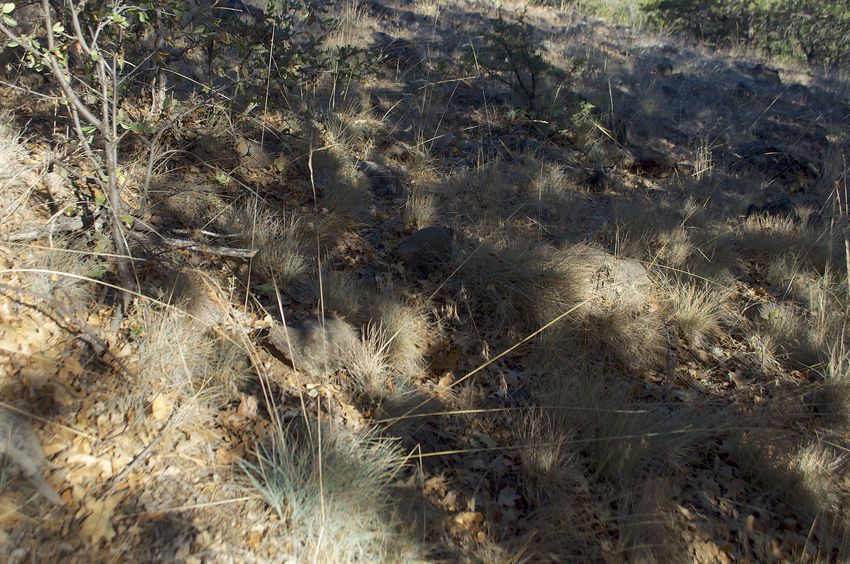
x: 643, y: 160
x: 253, y: 154
x: 793, y: 171
x: 315, y: 347
x: 383, y: 180
x: 616, y: 281
x: 427, y: 250
x: 19, y: 443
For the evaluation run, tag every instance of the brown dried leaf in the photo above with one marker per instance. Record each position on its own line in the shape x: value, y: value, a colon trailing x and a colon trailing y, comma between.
x: 98, y: 524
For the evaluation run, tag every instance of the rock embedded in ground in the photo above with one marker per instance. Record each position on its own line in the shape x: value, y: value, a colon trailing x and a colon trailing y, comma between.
x: 616, y: 281
x: 314, y: 346
x: 427, y: 250
x: 794, y: 172
x: 19, y: 443
x: 643, y: 160
x: 253, y: 154
x: 383, y: 180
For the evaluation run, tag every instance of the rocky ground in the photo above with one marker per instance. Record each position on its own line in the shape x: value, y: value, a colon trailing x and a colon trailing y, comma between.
x: 423, y: 315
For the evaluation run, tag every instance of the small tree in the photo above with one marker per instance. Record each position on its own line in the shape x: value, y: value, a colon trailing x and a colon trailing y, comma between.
x: 512, y: 55
x: 90, y: 90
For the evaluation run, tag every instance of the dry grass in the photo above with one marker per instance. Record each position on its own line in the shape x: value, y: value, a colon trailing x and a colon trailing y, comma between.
x: 517, y: 285
x: 420, y: 211
x: 551, y: 193
x: 551, y: 468
x: 182, y: 358
x: 588, y: 437
x: 333, y: 495
x: 697, y: 309
x: 408, y: 333
x: 366, y: 361
x: 624, y: 442
x: 353, y: 25
x: 14, y: 171
x: 819, y: 470
x: 637, y: 339
x: 344, y: 295
x: 64, y: 258
x: 785, y: 331
x: 766, y: 237
x: 282, y: 241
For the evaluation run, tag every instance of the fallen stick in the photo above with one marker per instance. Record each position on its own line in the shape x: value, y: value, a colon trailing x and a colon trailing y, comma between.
x: 76, y: 224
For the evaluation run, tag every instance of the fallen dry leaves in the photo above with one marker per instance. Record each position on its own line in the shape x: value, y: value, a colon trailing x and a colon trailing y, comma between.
x: 97, y: 525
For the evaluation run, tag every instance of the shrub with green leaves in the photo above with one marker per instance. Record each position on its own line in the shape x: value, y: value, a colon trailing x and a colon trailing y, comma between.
x: 513, y: 56
x: 815, y: 31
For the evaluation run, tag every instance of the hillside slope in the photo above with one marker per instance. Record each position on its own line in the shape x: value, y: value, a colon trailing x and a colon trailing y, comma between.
x: 516, y: 285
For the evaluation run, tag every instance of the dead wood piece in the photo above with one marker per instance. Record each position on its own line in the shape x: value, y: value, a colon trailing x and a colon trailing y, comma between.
x: 38, y: 231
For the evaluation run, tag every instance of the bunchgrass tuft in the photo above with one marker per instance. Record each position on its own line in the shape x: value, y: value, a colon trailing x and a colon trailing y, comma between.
x: 332, y: 491
x: 187, y: 360
x: 519, y: 284
x: 407, y: 332
x: 420, y: 211
x: 366, y: 361
x: 697, y: 309
x: 281, y: 240
x: 13, y: 170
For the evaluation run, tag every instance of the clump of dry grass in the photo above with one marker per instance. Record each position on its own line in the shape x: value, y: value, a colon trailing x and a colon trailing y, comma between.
x: 366, y: 361
x: 343, y: 190
x: 833, y: 396
x: 818, y: 469
x: 784, y: 331
x: 589, y: 435
x: 181, y: 357
x: 343, y: 295
x: 333, y: 495
x: 638, y: 339
x: 407, y: 331
x: 420, y: 210
x: 13, y: 168
x: 624, y: 442
x: 282, y: 241
x: 767, y: 237
x: 516, y: 285
x: 697, y: 309
x: 551, y: 468
x: 551, y: 193
x: 64, y: 258
x: 352, y: 26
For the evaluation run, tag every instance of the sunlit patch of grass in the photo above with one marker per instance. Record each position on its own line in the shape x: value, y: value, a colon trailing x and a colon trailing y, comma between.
x: 282, y: 241
x: 408, y: 334
x: 14, y: 189
x: 332, y: 491
x: 519, y: 284
x: 697, y: 309
x: 184, y: 358
x: 786, y: 332
x: 420, y: 211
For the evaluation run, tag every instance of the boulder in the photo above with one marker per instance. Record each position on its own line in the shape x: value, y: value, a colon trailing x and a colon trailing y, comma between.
x: 616, y: 282
x: 643, y: 160
x: 427, y: 250
x: 313, y: 346
x: 795, y: 172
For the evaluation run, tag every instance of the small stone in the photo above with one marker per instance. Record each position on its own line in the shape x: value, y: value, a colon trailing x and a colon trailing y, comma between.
x: 426, y: 250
